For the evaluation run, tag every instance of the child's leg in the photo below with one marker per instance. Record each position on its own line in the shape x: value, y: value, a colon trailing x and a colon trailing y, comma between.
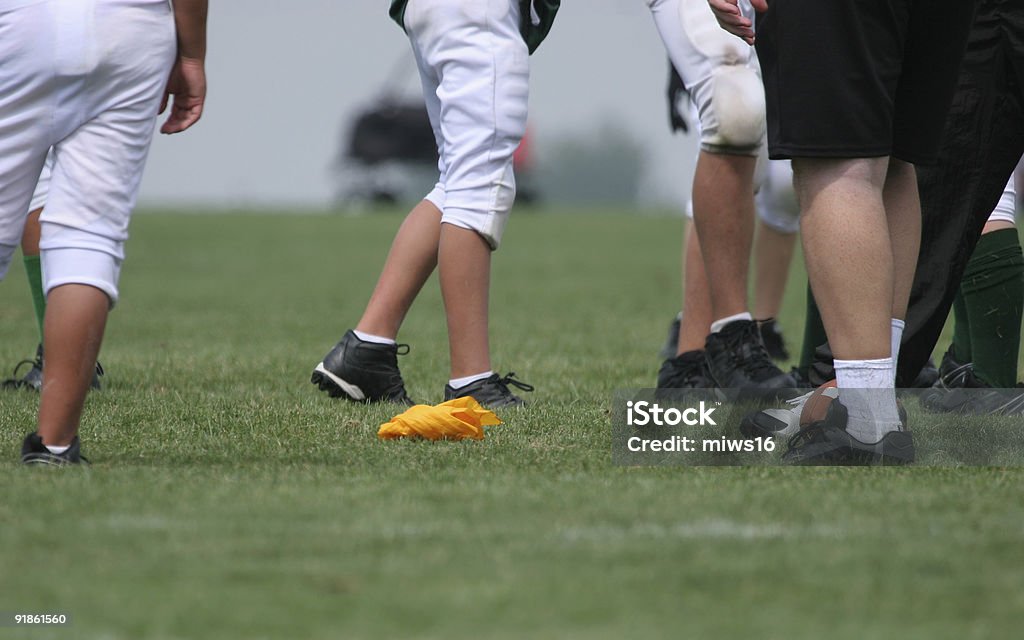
x: 75, y: 322
x: 481, y: 65
x: 410, y: 262
x: 465, y: 269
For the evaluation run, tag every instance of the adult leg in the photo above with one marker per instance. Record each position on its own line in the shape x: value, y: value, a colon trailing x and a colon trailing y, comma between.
x: 848, y: 251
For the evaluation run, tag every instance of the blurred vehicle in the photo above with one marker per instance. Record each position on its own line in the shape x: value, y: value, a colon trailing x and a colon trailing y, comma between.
x: 388, y: 155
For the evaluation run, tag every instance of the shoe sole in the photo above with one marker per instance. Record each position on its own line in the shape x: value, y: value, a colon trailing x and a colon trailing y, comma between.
x: 335, y: 386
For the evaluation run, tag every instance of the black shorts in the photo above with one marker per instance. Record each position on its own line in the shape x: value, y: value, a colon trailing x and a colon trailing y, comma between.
x: 860, y: 78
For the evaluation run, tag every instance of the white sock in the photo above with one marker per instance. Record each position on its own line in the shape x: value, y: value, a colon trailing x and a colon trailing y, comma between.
x: 865, y: 389
x: 369, y: 337
x: 458, y: 383
x: 57, y: 450
x: 897, y: 337
x: 718, y: 325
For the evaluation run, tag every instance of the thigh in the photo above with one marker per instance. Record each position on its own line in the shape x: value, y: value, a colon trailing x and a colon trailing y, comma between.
x: 831, y: 70
x: 481, y: 64
x: 98, y: 164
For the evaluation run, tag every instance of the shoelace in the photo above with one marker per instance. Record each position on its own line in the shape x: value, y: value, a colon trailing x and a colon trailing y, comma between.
x: 15, y: 380
x: 518, y: 384
x: 396, y: 389
x: 747, y: 348
x: 955, y: 378
x: 36, y: 362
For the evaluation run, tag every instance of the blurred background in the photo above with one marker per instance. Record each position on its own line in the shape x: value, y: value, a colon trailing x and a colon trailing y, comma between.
x: 290, y: 82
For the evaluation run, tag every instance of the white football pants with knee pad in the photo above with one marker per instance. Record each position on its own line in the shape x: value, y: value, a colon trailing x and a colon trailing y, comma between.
x: 84, y: 78
x: 775, y: 201
x: 720, y: 71
x: 475, y: 70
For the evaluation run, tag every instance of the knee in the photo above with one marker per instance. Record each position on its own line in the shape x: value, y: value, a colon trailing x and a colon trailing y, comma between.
x: 484, y: 207
x: 734, y: 118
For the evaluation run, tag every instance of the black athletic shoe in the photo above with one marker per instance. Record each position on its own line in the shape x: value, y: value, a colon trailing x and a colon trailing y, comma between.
x: 33, y: 379
x: 33, y: 451
x: 668, y: 350
x: 492, y: 392
x: 363, y: 371
x: 686, y: 371
x: 737, y: 359
x: 774, y: 342
x: 826, y: 442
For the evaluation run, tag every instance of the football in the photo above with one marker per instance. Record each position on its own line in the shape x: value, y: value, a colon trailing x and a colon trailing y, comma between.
x: 817, y: 405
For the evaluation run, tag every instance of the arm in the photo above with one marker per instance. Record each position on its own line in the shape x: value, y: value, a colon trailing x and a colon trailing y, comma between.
x: 729, y: 17
x: 187, y: 82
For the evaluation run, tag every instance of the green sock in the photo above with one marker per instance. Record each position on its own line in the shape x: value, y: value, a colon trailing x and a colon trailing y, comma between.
x: 961, y: 329
x: 993, y: 288
x: 814, y: 334
x: 34, y: 272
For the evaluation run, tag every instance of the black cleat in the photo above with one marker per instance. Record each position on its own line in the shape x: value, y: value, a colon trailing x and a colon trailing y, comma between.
x: 927, y: 377
x: 737, y: 359
x: 827, y: 442
x: 363, y: 371
x: 963, y: 392
x: 33, y: 379
x: 668, y: 350
x: 774, y: 342
x: 953, y: 372
x: 492, y: 392
x: 686, y: 371
x: 33, y: 451
x: 781, y: 422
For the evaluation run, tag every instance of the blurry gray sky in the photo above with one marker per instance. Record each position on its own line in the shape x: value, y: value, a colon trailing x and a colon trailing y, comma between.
x: 285, y: 76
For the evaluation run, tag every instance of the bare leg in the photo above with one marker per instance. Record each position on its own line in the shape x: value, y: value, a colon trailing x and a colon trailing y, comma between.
x: 411, y: 260
x: 997, y: 225
x: 848, y: 252
x: 464, y: 261
x: 773, y: 253
x: 723, y: 208
x: 75, y: 319
x: 696, y: 322
x: 903, y: 211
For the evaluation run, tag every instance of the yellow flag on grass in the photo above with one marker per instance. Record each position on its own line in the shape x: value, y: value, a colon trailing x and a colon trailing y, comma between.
x: 453, y: 420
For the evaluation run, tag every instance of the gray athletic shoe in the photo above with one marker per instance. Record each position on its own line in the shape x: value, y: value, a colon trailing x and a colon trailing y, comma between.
x: 492, y: 392
x: 33, y: 379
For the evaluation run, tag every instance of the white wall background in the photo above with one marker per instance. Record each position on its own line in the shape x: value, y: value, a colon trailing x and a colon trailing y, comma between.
x: 284, y: 75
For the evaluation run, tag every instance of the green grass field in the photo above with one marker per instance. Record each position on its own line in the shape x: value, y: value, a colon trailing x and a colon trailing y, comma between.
x: 229, y: 499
